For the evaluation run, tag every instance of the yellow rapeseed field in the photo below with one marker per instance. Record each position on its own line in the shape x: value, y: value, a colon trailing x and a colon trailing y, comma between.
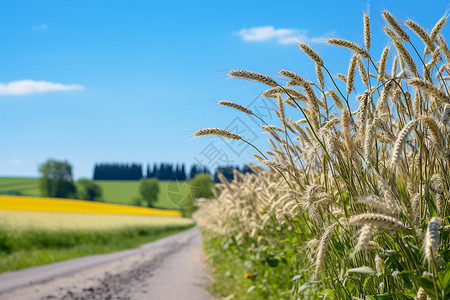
x: 72, y: 221
x: 23, y: 203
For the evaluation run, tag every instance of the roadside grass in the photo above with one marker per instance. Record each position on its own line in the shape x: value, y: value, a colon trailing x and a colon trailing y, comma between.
x: 44, y: 237
x: 243, y: 271
x: 119, y: 192
x: 224, y: 280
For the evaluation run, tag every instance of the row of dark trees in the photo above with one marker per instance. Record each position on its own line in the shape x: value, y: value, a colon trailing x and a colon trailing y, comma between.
x: 163, y: 171
x: 116, y: 171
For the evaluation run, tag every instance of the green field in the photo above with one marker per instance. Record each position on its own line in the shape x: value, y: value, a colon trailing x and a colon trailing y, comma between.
x: 122, y: 192
x: 34, y: 238
x: 25, y: 186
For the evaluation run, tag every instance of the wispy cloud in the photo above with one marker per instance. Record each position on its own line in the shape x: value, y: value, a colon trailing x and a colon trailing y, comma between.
x: 40, y: 27
x: 280, y: 35
x: 15, y: 161
x: 27, y: 87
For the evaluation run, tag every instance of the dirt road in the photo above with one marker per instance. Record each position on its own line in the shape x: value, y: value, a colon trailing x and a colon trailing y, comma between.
x: 170, y: 268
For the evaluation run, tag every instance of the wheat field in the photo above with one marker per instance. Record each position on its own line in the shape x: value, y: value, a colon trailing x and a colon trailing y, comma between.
x: 347, y: 203
x: 75, y: 221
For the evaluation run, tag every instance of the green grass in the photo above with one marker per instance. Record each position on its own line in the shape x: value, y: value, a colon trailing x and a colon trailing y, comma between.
x: 255, y: 273
x: 121, y: 192
x: 24, y: 248
x: 25, y: 186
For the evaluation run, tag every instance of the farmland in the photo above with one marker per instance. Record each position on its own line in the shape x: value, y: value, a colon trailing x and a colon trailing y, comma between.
x: 120, y: 192
x: 25, y: 186
x: 35, y: 238
x: 39, y: 230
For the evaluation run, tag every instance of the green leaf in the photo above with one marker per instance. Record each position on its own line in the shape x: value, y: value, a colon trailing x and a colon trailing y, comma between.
x: 444, y: 278
x: 427, y: 284
x: 386, y: 254
x: 361, y: 270
x: 272, y: 262
x: 381, y: 297
x: 402, y: 296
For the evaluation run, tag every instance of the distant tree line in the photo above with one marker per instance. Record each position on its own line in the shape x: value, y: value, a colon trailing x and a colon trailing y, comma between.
x: 116, y: 171
x: 227, y: 172
x: 162, y: 171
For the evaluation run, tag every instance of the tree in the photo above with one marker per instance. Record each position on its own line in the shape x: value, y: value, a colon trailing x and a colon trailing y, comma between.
x: 56, y: 180
x: 201, y: 186
x: 149, y: 190
x: 88, y: 190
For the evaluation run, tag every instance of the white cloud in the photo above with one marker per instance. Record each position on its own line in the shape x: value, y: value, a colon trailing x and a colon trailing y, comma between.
x: 15, y: 161
x: 27, y: 87
x: 280, y: 35
x: 40, y: 27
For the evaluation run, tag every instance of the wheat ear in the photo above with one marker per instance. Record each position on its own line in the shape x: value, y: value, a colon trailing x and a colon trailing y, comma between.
x: 422, y: 34
x: 401, y: 140
x: 271, y: 128
x: 351, y: 74
x: 367, y: 35
x: 444, y: 48
x: 431, y: 240
x: 337, y: 101
x: 379, y: 265
x: 430, y: 88
x: 282, y: 116
x: 322, y: 248
x: 349, y: 45
x: 274, y: 164
x: 312, y: 54
x: 437, y: 27
x: 364, y: 239
x: 319, y: 75
x: 421, y: 294
x: 405, y: 56
x: 236, y: 106
x: 218, y: 132
x: 273, y: 92
x: 377, y: 220
x: 253, y: 76
x: 393, y: 23
x: 368, y: 142
x: 362, y: 72
x: 382, y: 64
x: 436, y: 133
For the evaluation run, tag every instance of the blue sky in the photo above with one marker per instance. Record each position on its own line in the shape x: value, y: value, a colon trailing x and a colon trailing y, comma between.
x: 130, y: 81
